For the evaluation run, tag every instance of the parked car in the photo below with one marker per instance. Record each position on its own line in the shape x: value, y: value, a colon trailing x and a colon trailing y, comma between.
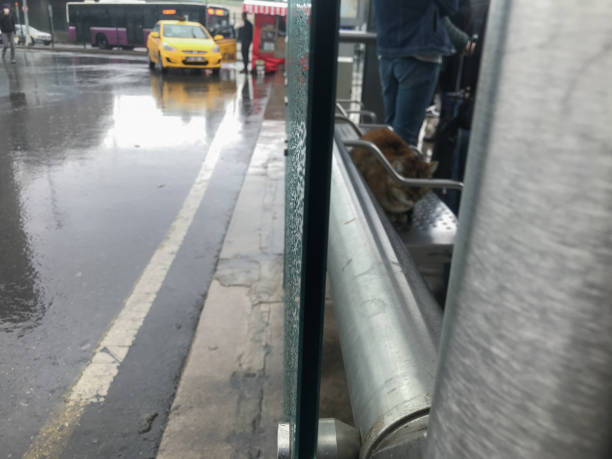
x: 36, y: 36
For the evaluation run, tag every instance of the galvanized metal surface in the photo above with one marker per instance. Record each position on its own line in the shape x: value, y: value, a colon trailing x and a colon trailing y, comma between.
x: 432, y: 224
x: 337, y: 440
x: 407, y: 442
x: 388, y: 344
x: 526, y: 358
x: 283, y: 441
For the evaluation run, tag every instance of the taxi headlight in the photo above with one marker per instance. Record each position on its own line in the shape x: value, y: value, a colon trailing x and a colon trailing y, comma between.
x: 215, y: 49
x: 168, y: 47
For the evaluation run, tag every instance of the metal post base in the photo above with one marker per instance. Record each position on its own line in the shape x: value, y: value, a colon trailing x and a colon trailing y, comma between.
x: 336, y: 440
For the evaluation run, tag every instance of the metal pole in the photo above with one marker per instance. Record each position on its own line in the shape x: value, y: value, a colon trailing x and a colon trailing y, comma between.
x: 388, y: 328
x: 371, y: 95
x: 26, y: 21
x: 18, y: 17
x: 357, y: 36
x: 526, y: 355
x: 51, y: 27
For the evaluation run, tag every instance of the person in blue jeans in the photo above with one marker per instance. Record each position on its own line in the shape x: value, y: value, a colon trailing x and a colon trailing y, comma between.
x: 411, y: 40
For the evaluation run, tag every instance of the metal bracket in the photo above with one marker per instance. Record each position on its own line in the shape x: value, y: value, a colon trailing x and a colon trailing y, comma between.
x: 335, y: 440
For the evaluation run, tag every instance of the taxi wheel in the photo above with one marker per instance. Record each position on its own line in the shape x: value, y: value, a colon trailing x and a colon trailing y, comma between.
x: 216, y: 72
x: 151, y: 63
x: 162, y: 69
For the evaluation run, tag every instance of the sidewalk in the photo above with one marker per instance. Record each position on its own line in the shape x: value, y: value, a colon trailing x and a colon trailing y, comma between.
x: 228, y: 401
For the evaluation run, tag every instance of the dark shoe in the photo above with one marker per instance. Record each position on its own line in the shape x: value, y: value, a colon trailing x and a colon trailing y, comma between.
x: 244, y: 71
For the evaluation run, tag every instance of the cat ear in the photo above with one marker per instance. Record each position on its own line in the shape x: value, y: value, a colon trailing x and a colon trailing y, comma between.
x: 398, y: 166
x: 433, y: 166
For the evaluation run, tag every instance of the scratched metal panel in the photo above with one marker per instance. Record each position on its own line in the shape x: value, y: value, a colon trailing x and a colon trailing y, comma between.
x: 526, y: 355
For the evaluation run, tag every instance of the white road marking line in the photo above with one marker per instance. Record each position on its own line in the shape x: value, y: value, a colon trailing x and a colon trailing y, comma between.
x: 96, y: 378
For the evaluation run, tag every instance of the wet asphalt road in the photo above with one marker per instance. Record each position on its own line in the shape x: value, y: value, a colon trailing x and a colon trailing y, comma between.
x: 97, y: 155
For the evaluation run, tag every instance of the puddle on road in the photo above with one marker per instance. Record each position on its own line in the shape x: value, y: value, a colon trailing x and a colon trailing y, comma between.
x: 84, y: 141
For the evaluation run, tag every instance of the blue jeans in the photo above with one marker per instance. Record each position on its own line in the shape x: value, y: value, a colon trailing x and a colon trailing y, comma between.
x: 408, y: 86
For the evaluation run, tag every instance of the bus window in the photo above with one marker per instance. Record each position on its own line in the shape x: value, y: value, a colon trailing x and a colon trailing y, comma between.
x: 192, y: 12
x: 150, y: 16
x: 218, y: 23
x: 136, y: 19
x: 73, y: 14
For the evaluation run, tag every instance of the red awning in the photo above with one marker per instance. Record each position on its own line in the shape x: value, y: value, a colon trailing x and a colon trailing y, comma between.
x: 264, y: 7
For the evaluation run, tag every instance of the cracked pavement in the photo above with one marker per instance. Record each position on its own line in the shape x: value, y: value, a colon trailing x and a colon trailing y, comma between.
x: 229, y: 398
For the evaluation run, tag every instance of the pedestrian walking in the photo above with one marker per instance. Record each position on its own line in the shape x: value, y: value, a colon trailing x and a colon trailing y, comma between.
x: 245, y: 37
x: 411, y: 41
x: 7, y: 27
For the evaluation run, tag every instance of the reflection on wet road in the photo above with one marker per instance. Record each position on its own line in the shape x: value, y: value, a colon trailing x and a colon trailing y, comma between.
x: 97, y: 155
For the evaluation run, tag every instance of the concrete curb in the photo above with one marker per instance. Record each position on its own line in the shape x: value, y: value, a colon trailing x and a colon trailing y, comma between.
x: 76, y: 49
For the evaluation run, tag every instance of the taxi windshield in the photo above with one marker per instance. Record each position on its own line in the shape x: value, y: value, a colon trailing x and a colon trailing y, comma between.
x: 184, y: 31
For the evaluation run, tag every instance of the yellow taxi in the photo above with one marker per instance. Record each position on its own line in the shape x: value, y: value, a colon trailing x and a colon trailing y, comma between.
x: 182, y: 44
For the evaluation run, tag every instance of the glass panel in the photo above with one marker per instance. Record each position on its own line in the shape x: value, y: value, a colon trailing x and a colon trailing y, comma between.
x: 312, y: 31
x: 298, y: 46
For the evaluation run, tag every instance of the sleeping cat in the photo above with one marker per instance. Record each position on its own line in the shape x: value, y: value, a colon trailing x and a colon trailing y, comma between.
x: 393, y: 197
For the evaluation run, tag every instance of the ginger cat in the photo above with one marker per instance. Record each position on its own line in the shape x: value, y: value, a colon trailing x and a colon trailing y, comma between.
x: 392, y: 196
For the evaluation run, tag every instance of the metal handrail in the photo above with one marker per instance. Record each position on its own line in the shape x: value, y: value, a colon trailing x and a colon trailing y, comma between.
x: 350, y: 102
x: 357, y: 36
x: 357, y: 128
x: 346, y: 112
x: 370, y: 114
x: 376, y: 126
x: 429, y: 183
x: 360, y: 133
x: 351, y: 123
x: 341, y: 109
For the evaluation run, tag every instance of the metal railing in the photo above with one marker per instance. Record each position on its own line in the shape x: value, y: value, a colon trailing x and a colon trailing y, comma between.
x: 406, y: 181
x: 356, y: 36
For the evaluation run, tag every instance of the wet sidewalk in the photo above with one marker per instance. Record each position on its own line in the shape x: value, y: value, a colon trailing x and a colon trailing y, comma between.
x: 228, y: 402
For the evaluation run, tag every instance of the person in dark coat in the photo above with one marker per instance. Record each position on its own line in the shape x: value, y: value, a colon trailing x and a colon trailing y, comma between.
x: 7, y: 27
x: 245, y: 37
x: 457, y: 85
